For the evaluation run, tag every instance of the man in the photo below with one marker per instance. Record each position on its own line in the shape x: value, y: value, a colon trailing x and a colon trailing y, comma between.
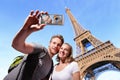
x: 35, y: 68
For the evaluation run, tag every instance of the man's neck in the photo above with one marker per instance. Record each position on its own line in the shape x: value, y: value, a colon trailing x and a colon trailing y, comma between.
x: 50, y: 54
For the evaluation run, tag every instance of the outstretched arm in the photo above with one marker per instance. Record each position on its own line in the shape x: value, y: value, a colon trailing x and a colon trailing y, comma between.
x: 31, y: 25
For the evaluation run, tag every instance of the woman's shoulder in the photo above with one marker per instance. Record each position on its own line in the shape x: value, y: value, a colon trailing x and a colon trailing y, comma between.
x: 74, y: 63
x: 74, y: 66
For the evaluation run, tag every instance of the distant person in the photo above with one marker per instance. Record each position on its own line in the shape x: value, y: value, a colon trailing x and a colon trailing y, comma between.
x: 67, y: 68
x: 38, y: 64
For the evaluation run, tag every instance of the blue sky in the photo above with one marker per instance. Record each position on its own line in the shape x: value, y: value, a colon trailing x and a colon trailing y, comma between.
x: 101, y: 17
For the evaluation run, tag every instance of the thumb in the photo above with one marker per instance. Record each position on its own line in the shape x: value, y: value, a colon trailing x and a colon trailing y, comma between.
x: 41, y: 26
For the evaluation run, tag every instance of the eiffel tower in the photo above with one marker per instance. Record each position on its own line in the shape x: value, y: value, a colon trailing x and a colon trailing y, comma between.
x: 94, y: 56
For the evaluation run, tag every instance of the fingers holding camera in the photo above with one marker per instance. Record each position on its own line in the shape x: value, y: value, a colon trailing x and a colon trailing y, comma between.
x: 37, y: 14
x: 37, y: 27
x: 32, y: 22
x: 32, y: 12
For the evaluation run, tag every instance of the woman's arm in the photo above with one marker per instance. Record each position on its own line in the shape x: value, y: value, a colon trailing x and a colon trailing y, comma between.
x: 76, y: 76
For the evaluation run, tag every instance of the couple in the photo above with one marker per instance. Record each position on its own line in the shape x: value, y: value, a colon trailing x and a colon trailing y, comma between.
x: 66, y: 69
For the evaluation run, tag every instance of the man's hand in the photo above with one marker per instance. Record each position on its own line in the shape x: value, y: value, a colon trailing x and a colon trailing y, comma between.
x: 32, y: 21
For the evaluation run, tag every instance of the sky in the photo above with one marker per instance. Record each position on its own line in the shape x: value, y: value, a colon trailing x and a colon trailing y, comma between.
x: 101, y: 17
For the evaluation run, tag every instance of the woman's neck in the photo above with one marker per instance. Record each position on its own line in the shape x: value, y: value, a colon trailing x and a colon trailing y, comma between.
x: 63, y: 62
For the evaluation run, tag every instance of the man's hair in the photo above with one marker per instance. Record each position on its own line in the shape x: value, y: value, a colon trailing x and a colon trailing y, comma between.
x: 58, y: 36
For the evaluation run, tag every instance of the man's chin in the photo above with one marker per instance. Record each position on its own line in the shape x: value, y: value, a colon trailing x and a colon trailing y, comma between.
x: 54, y: 52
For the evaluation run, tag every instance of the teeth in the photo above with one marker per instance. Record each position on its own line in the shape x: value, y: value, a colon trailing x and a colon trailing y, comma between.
x: 62, y: 53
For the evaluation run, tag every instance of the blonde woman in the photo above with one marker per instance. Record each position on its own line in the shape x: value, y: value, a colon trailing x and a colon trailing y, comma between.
x: 67, y: 68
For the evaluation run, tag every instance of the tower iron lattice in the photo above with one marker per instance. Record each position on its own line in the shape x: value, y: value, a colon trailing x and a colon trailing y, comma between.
x: 94, y: 56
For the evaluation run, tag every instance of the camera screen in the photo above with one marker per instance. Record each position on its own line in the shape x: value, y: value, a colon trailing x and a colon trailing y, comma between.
x: 51, y: 19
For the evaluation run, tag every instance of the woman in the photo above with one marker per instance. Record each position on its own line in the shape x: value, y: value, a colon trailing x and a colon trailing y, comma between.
x: 67, y: 68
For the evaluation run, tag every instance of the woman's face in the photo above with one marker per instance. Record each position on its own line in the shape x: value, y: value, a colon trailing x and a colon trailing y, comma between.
x: 64, y: 51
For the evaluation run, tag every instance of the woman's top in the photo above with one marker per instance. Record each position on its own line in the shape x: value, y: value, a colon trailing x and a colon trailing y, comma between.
x: 66, y: 73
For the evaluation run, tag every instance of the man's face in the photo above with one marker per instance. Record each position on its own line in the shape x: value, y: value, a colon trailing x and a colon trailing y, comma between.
x: 55, y: 45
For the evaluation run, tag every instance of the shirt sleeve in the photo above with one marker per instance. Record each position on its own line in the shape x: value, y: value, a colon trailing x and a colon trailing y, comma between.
x: 39, y: 49
x: 75, y: 67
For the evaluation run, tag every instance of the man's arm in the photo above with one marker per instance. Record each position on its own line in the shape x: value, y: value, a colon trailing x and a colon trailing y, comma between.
x: 31, y: 25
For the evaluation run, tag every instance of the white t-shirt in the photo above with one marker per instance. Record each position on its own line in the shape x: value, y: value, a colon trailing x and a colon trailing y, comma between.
x: 66, y: 73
